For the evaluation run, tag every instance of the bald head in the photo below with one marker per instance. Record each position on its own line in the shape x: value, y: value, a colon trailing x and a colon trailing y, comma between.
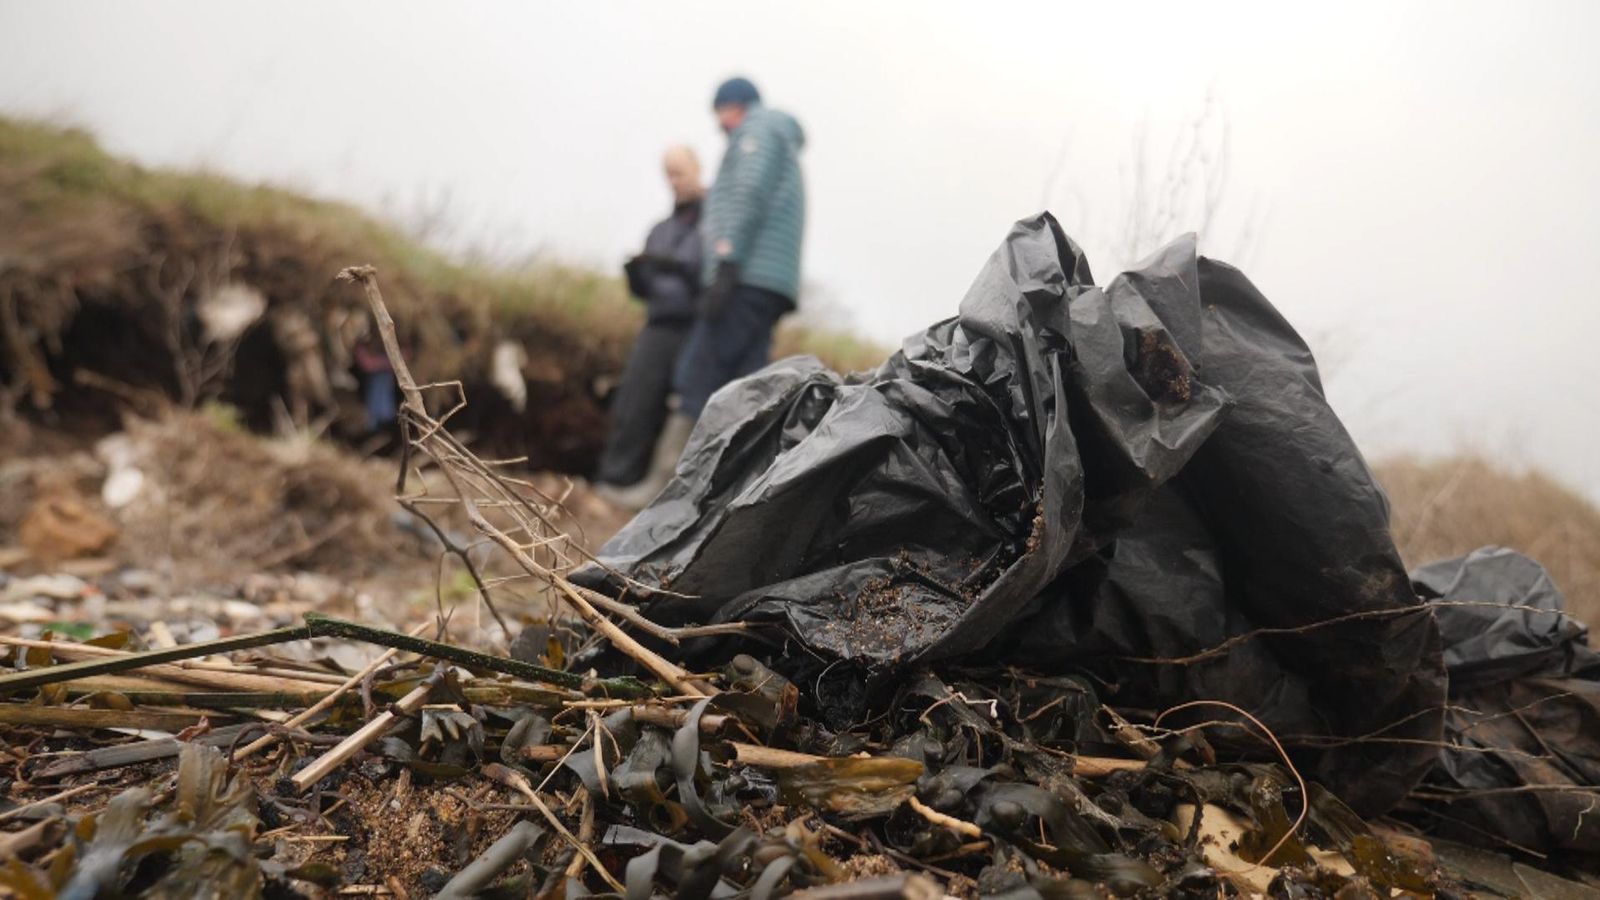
x: 683, y: 173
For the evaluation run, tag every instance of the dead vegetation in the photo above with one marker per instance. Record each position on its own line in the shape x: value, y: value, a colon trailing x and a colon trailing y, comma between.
x: 210, y: 499
x: 1447, y: 507
x: 437, y: 769
x: 442, y: 769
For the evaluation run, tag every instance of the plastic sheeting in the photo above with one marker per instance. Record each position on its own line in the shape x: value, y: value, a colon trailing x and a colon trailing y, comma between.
x: 1070, y: 477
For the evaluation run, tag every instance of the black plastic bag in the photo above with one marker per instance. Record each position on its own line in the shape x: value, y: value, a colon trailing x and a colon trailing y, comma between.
x: 908, y: 515
x: 973, y: 497
x: 1522, y: 763
x: 1276, y: 524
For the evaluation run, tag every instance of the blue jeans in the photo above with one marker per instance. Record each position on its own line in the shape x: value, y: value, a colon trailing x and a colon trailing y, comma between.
x: 729, y: 346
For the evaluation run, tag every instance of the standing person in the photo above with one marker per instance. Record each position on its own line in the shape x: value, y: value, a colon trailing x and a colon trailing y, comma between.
x: 666, y: 276
x: 755, y: 216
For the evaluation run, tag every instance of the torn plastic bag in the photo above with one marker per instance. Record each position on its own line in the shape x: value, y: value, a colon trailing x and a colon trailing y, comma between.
x: 1276, y: 523
x: 934, y: 508
x: 909, y: 514
x: 1522, y: 761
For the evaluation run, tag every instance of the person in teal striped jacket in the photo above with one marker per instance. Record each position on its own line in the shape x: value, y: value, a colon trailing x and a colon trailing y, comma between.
x: 751, y: 228
x: 754, y: 220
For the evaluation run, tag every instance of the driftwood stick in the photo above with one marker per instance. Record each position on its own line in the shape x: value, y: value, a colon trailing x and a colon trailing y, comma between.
x: 358, y: 740
x: 72, y: 651
x: 322, y: 678
x: 209, y: 700
x: 33, y: 678
x: 543, y: 753
x: 772, y: 757
x: 669, y: 717
x: 1101, y: 766
x: 124, y: 684
x: 45, y: 832
x: 326, y: 626
x: 326, y: 702
x: 175, y: 678
x: 116, y: 757
x: 84, y: 717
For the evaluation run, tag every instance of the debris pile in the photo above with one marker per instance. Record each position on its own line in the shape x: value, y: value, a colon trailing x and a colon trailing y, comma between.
x: 192, y: 493
x: 1060, y: 602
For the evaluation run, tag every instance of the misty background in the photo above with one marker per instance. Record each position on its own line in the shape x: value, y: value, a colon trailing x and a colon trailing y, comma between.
x: 1414, y: 185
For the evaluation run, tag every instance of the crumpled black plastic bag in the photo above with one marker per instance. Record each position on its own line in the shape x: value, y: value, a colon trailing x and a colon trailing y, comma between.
x: 1501, y: 618
x: 909, y: 514
x: 1276, y: 523
x: 1525, y: 708
x: 976, y: 493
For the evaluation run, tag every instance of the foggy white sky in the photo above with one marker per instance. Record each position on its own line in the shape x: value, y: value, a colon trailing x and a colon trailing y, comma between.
x: 1426, y: 175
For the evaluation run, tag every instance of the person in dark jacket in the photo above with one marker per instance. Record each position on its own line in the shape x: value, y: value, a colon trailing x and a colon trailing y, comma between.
x: 666, y: 277
x: 755, y: 218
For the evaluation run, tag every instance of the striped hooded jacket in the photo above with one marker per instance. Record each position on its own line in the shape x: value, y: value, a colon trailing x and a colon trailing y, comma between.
x: 756, y: 210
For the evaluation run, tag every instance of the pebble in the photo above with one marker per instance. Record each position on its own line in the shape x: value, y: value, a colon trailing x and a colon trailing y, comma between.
x: 52, y: 587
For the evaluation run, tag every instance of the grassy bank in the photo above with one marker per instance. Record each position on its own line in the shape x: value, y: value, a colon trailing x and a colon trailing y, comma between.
x: 103, y: 263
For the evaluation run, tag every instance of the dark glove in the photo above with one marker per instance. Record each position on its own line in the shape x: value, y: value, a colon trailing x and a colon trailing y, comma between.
x: 719, y: 293
x: 638, y: 272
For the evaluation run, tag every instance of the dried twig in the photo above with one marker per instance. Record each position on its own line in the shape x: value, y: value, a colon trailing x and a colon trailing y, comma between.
x: 959, y: 826
x: 533, y: 541
x: 326, y: 626
x: 326, y: 702
x: 670, y: 635
x: 772, y: 757
x: 102, y: 758
x: 83, y: 717
x: 1129, y: 736
x: 31, y: 678
x: 1305, y: 796
x: 67, y: 794
x: 222, y: 677
x: 363, y: 736
x: 585, y: 828
x: 43, y: 832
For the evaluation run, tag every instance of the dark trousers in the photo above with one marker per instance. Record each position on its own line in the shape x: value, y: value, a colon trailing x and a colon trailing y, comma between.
x: 380, y: 396
x: 729, y: 346
x: 640, y: 404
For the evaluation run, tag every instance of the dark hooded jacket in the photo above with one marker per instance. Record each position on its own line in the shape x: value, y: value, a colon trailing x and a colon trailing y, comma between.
x: 666, y: 276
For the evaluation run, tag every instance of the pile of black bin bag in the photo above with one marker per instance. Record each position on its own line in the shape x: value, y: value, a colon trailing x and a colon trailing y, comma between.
x: 1142, y: 482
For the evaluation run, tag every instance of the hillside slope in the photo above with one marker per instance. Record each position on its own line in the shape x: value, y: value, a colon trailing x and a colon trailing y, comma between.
x: 107, y: 270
